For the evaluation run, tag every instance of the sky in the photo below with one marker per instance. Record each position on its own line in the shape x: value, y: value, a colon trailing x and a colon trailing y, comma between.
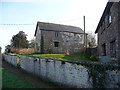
x: 13, y: 13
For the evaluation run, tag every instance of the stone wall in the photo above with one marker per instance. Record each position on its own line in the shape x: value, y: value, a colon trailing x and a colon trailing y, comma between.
x: 12, y: 59
x: 68, y: 42
x: 92, y: 51
x: 110, y: 32
x: 71, y: 73
x: 38, y: 41
x: 57, y: 71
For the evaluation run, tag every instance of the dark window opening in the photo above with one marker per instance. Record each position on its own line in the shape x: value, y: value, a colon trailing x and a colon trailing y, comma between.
x: 113, y: 48
x: 104, y: 49
x: 56, y: 44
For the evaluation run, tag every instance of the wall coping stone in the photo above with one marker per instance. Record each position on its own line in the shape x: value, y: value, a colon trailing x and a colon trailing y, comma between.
x: 76, y: 62
x: 107, y: 64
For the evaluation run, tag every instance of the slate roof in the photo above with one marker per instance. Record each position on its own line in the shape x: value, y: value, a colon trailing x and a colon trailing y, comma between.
x: 58, y: 27
x: 107, y: 8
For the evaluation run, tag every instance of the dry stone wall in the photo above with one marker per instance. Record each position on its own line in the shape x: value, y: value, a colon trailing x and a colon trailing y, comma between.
x: 69, y: 73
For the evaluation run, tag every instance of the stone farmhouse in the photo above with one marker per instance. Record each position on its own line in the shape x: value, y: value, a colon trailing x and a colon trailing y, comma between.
x: 58, y: 38
x: 108, y: 31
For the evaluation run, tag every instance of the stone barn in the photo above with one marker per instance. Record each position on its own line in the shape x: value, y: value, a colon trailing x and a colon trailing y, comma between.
x: 108, y: 31
x: 58, y: 38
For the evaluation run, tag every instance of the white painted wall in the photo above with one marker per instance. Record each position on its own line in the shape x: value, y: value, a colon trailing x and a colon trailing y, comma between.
x: 12, y: 59
x: 67, y: 73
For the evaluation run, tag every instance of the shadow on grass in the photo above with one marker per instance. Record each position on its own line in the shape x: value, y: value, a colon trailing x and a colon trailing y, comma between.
x: 10, y: 80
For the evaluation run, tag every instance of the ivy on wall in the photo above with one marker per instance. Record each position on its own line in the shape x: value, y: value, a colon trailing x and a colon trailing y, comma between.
x: 98, y: 73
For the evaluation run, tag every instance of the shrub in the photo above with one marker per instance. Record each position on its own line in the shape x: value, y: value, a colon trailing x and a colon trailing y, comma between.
x: 22, y: 50
x: 93, y: 58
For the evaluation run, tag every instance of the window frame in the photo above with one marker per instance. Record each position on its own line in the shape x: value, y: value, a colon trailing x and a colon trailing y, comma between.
x: 109, y: 19
x: 56, y: 34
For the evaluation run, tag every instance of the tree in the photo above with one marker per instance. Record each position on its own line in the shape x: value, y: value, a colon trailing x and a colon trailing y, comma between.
x: 32, y: 43
x: 7, y: 49
x: 91, y: 41
x: 19, y: 40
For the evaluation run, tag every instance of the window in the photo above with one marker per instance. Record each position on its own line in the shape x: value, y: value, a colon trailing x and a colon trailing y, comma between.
x: 56, y: 34
x: 109, y: 21
x: 104, y: 49
x: 56, y: 44
x: 113, y: 48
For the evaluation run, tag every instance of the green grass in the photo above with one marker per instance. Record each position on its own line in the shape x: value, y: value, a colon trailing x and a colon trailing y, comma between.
x: 47, y: 55
x: 75, y: 57
x: 10, y: 80
x: 80, y: 57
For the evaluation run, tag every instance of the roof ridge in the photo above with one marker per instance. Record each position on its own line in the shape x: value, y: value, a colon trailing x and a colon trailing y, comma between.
x: 58, y: 24
x: 58, y: 27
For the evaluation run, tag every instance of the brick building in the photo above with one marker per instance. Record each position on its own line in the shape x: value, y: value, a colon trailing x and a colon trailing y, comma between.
x: 57, y: 38
x: 108, y: 31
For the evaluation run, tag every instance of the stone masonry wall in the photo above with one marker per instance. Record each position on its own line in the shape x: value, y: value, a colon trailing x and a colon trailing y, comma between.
x: 110, y: 32
x: 68, y: 42
x: 38, y: 41
x: 118, y: 50
x: 70, y: 73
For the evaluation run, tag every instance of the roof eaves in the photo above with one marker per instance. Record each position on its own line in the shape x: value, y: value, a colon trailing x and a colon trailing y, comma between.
x: 62, y: 31
x: 36, y: 29
x: 60, y: 27
x: 107, y: 8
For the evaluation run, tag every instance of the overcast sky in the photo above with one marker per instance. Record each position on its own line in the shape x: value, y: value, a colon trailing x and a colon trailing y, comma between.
x: 68, y: 12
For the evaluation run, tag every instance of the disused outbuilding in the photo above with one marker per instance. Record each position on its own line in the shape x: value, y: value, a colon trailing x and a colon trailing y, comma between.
x: 58, y: 38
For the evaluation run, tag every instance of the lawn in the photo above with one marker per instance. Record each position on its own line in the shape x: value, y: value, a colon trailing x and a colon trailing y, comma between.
x: 10, y: 80
x: 75, y: 57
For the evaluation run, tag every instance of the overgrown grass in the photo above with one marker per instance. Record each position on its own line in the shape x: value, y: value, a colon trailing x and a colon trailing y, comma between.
x: 80, y: 57
x: 10, y: 80
x: 75, y: 57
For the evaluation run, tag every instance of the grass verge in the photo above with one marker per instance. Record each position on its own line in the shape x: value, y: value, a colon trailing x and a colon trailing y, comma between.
x: 10, y: 80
